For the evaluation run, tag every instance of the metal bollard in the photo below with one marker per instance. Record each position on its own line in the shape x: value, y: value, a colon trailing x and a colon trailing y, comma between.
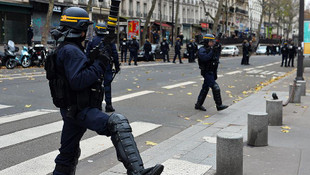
x: 302, y: 86
x: 274, y: 109
x: 229, y: 154
x: 297, y: 93
x: 258, y: 129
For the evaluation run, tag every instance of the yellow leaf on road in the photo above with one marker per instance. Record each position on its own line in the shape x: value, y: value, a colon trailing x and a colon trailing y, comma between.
x: 186, y: 118
x: 231, y: 96
x: 149, y: 143
x: 285, y: 127
x: 189, y: 93
x: 285, y: 131
x: 304, y: 106
x: 136, y: 79
x: 150, y: 79
x: 209, y: 96
x: 170, y: 94
x: 129, y: 90
x: 207, y: 116
x: 138, y: 86
x: 27, y: 106
x: 199, y: 120
x: 228, y: 92
x: 297, y: 105
x: 208, y: 123
x: 231, y: 87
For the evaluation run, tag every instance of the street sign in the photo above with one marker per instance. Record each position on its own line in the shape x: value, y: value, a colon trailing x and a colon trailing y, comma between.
x: 307, y: 37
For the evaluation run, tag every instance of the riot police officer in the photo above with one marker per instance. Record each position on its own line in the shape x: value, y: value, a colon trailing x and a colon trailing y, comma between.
x: 208, y: 64
x: 284, y: 51
x: 195, y: 50
x: 292, y: 52
x: 191, y: 51
x: 76, y: 88
x: 164, y: 47
x: 123, y: 48
x: 177, y: 50
x: 101, y: 30
x: 133, y: 49
x: 147, y: 49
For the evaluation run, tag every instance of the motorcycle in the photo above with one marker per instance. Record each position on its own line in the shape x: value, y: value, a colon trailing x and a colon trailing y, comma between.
x: 38, y: 54
x: 11, y: 59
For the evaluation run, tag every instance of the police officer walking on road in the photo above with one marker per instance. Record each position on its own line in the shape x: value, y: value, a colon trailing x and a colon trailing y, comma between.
x: 191, y: 51
x: 284, y: 51
x: 177, y: 50
x: 124, y: 47
x: 101, y: 30
x: 76, y: 88
x: 133, y: 49
x: 147, y: 49
x: 164, y: 47
x: 208, y: 64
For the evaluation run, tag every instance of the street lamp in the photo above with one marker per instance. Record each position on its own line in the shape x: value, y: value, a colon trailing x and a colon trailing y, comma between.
x: 300, y: 61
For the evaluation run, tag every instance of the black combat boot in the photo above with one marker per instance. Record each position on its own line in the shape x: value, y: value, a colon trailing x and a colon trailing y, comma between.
x: 109, y: 108
x: 126, y: 148
x: 217, y: 98
x: 201, y: 99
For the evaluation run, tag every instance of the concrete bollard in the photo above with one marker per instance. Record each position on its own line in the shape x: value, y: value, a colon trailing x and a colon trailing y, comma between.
x: 297, y: 94
x: 229, y: 154
x: 302, y: 86
x: 258, y: 129
x: 274, y: 109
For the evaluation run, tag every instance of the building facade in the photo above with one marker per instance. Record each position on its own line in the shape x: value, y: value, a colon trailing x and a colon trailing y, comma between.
x: 255, y: 11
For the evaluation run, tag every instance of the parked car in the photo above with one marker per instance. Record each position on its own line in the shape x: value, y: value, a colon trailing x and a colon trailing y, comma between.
x: 155, y: 53
x: 230, y: 50
x: 261, y: 50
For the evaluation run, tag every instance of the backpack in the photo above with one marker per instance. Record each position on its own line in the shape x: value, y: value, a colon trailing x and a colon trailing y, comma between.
x: 58, y: 84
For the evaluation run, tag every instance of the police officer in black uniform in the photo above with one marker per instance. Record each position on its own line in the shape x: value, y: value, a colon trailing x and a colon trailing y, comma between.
x: 133, y: 49
x: 208, y: 63
x: 195, y: 50
x: 191, y: 51
x: 76, y: 87
x: 124, y: 47
x: 292, y: 52
x: 164, y: 47
x: 101, y: 30
x: 177, y: 50
x: 284, y: 51
x: 147, y: 49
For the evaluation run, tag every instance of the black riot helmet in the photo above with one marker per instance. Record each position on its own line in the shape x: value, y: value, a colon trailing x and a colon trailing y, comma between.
x: 208, y: 37
x: 74, y: 21
x: 101, y: 29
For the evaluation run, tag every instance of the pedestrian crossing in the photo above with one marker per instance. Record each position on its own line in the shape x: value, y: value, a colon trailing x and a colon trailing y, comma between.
x: 44, y: 164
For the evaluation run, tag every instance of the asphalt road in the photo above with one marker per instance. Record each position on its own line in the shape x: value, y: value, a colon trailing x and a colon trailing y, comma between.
x: 155, y: 93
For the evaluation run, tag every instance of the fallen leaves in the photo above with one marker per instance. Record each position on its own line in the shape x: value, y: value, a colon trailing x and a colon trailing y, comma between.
x: 231, y: 87
x: 189, y: 93
x: 207, y: 116
x: 170, y: 94
x: 285, y: 129
x: 208, y: 123
x: 129, y: 90
x: 150, y: 143
x: 149, y: 79
x: 27, y: 106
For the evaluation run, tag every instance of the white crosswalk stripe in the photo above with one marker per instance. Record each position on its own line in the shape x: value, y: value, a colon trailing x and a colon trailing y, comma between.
x: 24, y: 115
x: 178, y: 85
x: 44, y: 164
x: 4, y: 106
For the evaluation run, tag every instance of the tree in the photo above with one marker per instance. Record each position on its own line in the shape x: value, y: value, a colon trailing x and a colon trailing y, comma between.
x: 290, y: 12
x: 147, y: 21
x: 176, y: 20
x: 263, y: 4
x: 215, y: 19
x: 48, y: 21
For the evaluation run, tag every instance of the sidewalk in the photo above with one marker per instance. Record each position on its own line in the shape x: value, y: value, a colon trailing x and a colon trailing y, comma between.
x: 193, y: 151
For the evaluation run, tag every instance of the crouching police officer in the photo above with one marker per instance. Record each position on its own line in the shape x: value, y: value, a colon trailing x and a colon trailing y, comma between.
x: 208, y: 60
x: 76, y: 88
x: 101, y: 30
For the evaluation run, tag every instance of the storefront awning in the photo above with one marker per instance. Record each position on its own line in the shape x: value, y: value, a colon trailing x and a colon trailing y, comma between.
x: 15, y: 7
x: 163, y: 24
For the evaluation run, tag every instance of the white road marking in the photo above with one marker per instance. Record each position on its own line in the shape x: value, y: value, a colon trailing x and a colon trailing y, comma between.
x: 26, y: 76
x: 21, y: 74
x: 5, y: 106
x: 260, y: 66
x: 128, y: 96
x: 44, y: 164
x: 29, y: 134
x: 234, y: 72
x: 271, y: 72
x: 255, y: 71
x: 179, y: 85
x: 248, y: 69
x: 182, y: 167
x: 24, y: 115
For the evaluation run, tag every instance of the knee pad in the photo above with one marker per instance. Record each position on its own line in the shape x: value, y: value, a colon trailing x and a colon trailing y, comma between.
x: 216, y: 87
x: 118, y: 123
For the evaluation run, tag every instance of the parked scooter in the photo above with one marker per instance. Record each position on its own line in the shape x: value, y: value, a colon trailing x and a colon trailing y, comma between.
x: 38, y: 54
x: 12, y: 59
